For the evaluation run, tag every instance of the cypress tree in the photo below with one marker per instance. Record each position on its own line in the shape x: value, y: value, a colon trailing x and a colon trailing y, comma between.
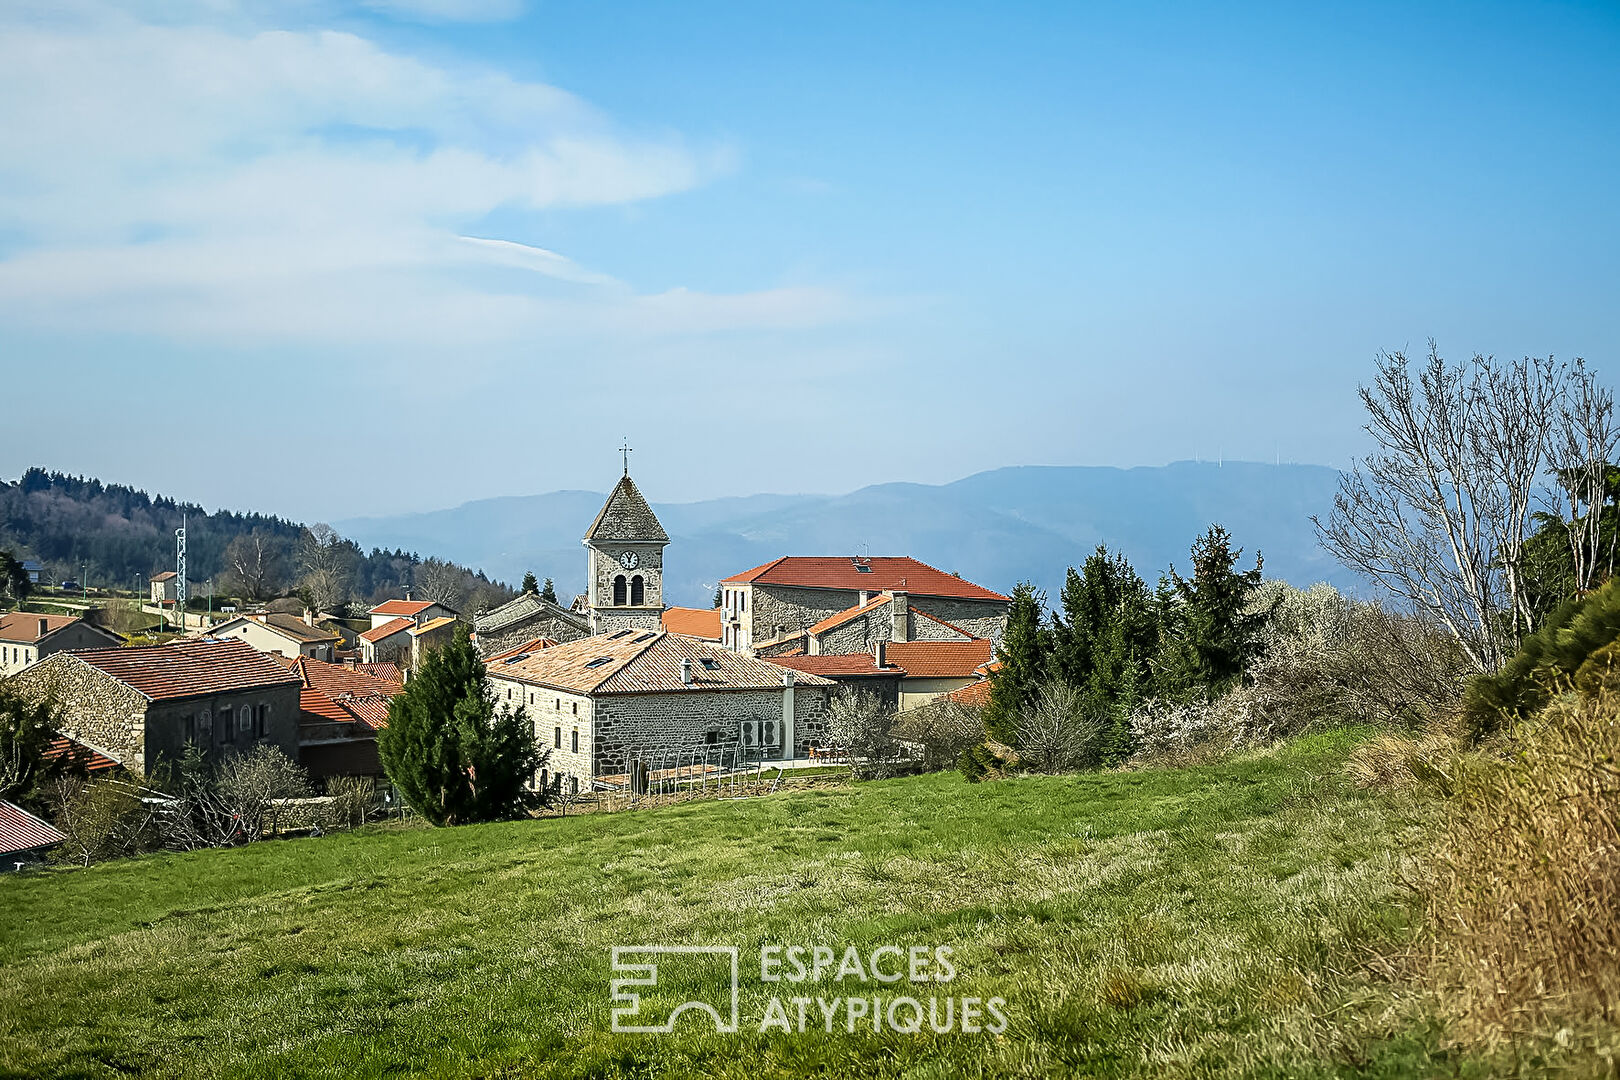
x: 1024, y: 657
x: 1103, y: 642
x: 549, y: 593
x: 454, y: 755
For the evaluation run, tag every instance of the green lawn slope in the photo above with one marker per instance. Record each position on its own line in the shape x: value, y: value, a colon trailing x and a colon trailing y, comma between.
x: 1229, y: 919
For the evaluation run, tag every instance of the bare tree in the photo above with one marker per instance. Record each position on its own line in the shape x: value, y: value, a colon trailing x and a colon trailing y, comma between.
x: 1583, y: 445
x: 1438, y: 515
x: 327, y: 564
x: 255, y: 564
x: 1058, y: 731
x: 440, y: 582
x: 863, y: 725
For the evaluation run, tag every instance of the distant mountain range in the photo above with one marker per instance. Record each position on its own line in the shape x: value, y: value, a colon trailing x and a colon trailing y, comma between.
x: 994, y: 528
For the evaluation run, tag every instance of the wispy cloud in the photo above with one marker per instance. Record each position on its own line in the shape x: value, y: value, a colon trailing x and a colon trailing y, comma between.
x: 214, y: 179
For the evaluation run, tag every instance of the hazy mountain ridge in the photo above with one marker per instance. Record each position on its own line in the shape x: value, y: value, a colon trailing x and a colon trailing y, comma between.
x: 994, y: 528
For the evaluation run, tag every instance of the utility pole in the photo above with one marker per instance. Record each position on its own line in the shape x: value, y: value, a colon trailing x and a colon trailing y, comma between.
x: 180, y: 572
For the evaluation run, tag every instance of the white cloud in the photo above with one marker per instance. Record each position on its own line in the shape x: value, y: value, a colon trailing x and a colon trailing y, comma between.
x: 215, y: 180
x: 449, y: 10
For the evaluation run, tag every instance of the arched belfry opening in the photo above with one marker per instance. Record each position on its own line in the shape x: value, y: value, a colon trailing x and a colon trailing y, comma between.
x: 618, y: 591
x: 638, y: 592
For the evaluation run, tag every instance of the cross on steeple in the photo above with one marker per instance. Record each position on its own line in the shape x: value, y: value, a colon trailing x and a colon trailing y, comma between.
x: 627, y: 450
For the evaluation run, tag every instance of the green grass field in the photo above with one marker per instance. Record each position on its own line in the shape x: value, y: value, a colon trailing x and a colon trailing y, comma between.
x: 1230, y: 919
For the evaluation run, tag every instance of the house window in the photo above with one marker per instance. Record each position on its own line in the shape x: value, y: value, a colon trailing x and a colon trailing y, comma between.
x: 618, y: 591
x: 559, y: 738
x: 557, y: 705
x: 742, y: 601
x: 638, y: 592
x: 576, y: 708
x: 574, y: 742
x: 223, y: 726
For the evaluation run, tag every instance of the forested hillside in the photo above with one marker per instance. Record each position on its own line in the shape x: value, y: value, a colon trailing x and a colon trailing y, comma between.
x: 116, y: 537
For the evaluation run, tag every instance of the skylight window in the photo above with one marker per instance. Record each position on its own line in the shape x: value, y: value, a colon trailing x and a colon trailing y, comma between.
x: 617, y: 635
x: 862, y: 568
x: 599, y: 661
x: 709, y: 663
x: 643, y: 637
x: 515, y: 659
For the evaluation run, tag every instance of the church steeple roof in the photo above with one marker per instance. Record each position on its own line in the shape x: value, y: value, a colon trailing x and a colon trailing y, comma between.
x: 626, y: 516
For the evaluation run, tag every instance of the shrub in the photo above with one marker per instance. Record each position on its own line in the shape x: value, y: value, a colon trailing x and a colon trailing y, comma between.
x: 941, y: 730
x: 1060, y: 730
x: 353, y: 798
x: 1524, y: 900
x: 863, y: 725
x: 103, y: 819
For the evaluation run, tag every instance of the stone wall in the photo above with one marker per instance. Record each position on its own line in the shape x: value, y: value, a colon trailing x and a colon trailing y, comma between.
x: 556, y: 715
x: 775, y: 610
x: 170, y: 725
x: 97, y: 710
x: 542, y: 624
x: 981, y: 618
x: 699, y: 719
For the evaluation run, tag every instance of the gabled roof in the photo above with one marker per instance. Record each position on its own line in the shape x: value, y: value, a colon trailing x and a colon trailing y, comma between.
x: 626, y: 516
x: 288, y: 626
x: 941, y: 659
x: 24, y: 626
x: 386, y: 670
x: 899, y: 573
x: 397, y: 608
x: 834, y: 621
x: 22, y: 831
x: 975, y: 693
x: 641, y: 662
x: 522, y: 607
x: 693, y: 622
x: 77, y: 752
x: 387, y: 630
x: 184, y: 669
x: 838, y: 667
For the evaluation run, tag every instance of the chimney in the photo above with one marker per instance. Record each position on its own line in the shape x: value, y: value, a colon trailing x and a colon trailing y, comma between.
x: 686, y: 672
x: 900, y: 628
x: 309, y: 617
x: 880, y: 654
x: 866, y: 597
x: 407, y: 592
x: 44, y: 627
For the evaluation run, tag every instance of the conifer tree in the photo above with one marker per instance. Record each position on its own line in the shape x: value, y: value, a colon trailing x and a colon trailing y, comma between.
x: 1024, y: 656
x: 530, y: 585
x: 1210, y: 632
x: 1103, y: 642
x: 549, y: 593
x: 454, y: 755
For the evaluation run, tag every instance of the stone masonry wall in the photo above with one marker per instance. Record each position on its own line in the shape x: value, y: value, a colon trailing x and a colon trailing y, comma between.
x: 559, y: 630
x: 626, y: 722
x: 97, y: 710
x: 556, y: 715
x: 981, y: 618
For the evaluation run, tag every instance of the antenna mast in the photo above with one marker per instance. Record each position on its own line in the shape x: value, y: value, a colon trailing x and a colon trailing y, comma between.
x: 180, y: 572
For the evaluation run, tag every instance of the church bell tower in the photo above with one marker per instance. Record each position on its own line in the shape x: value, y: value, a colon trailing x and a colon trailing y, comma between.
x: 624, y: 554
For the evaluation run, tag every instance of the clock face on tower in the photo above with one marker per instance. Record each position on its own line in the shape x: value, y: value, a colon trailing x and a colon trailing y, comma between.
x: 629, y: 560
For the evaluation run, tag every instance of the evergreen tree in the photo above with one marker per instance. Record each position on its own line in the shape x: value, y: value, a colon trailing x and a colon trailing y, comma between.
x: 1104, y: 641
x: 453, y: 754
x: 530, y: 585
x: 549, y: 593
x: 13, y: 578
x: 1024, y: 656
x: 1210, y: 632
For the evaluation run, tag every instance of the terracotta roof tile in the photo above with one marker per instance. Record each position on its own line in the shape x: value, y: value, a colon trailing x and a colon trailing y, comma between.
x: 385, y: 670
x: 22, y: 831
x: 941, y: 659
x: 833, y: 667
x: 387, y: 630
x: 190, y: 668
x: 693, y: 622
x: 90, y: 758
x: 24, y: 625
x: 977, y: 694
x: 165, y: 576
x: 335, y: 692
x: 900, y: 572
x: 433, y: 624
x: 288, y: 626
x: 530, y: 646
x: 643, y: 661
x: 402, y: 607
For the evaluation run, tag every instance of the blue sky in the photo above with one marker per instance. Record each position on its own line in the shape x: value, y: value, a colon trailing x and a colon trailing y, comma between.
x: 329, y: 260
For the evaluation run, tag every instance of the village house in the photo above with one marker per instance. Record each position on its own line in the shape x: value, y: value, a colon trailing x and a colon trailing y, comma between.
x: 27, y: 638
x: 832, y: 604
x: 24, y: 838
x: 164, y: 587
x: 417, y: 611
x: 935, y: 668
x: 140, y: 706
x: 341, y: 710
x: 600, y: 703
x: 285, y: 635
x: 34, y: 570
x: 866, y: 673
x: 433, y: 634
x: 389, y: 643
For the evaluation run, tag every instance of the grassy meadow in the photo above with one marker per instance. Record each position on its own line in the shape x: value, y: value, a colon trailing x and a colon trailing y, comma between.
x: 1235, y: 919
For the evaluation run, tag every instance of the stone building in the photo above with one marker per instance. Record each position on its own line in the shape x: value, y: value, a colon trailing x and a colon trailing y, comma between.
x: 830, y: 604
x: 340, y: 712
x: 388, y: 643
x: 140, y: 706
x: 624, y: 563
x: 285, y: 635
x: 27, y: 638
x: 935, y: 668
x: 601, y: 702
x: 858, y: 672
x: 525, y: 618
x: 164, y: 587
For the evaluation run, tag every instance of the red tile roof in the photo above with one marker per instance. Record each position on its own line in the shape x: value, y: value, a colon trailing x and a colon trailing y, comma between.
x: 24, y: 625
x: 388, y: 630
x: 941, y: 659
x: 833, y: 667
x: 900, y: 573
x: 335, y: 692
x: 402, y: 607
x: 79, y: 754
x: 432, y: 625
x: 185, y: 669
x: 22, y: 831
x: 532, y: 645
x: 840, y: 618
x: 644, y: 661
x: 977, y: 694
x: 385, y: 670
x: 693, y: 622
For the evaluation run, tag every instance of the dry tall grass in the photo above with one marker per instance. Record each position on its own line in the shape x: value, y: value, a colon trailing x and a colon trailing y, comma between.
x: 1525, y: 897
